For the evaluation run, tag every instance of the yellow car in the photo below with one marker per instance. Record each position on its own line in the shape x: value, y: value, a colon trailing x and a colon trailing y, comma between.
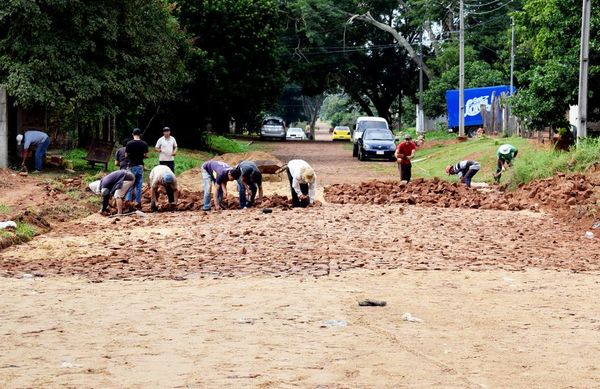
x: 341, y: 133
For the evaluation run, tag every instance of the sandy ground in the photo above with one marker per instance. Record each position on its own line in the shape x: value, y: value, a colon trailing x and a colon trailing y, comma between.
x: 243, y: 299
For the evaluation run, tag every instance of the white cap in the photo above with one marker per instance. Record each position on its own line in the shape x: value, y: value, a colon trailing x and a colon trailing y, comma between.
x: 95, y: 186
x: 19, y: 139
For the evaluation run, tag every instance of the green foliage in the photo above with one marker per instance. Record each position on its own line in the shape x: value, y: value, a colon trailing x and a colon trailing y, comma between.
x: 90, y: 59
x: 339, y: 110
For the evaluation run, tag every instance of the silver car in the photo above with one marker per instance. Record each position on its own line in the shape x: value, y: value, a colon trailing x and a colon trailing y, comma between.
x: 273, y: 127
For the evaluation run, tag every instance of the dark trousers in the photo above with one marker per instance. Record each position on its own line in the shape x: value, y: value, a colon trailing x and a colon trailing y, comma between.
x: 170, y: 164
x: 405, y: 171
x: 303, y: 189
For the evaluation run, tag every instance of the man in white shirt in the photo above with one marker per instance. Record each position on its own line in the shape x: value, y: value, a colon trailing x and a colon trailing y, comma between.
x: 303, y: 182
x: 162, y: 175
x: 167, y: 146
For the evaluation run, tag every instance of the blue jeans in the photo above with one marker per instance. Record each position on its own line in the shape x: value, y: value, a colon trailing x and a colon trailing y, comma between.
x: 40, y: 151
x: 138, y: 173
x: 242, y: 191
x: 208, y: 183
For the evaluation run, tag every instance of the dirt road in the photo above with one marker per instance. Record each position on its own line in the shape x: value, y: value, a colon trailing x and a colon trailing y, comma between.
x: 246, y: 299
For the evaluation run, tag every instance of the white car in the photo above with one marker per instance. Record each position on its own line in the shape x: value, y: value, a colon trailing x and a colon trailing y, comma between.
x: 295, y: 133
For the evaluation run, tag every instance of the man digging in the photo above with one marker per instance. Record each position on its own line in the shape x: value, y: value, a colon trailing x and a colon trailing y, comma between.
x: 162, y: 175
x: 114, y: 184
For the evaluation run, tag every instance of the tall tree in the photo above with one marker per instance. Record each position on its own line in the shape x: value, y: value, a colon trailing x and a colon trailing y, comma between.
x: 90, y: 59
x: 548, y: 34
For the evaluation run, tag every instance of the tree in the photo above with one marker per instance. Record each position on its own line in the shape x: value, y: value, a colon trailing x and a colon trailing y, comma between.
x: 87, y: 60
x: 236, y: 67
x: 548, y: 33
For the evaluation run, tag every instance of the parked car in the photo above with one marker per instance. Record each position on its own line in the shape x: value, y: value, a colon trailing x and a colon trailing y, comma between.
x: 376, y: 143
x: 273, y: 127
x: 362, y: 123
x: 341, y: 133
x: 295, y: 133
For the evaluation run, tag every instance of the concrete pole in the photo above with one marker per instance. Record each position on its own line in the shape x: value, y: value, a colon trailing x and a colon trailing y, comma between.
x: 3, y: 129
x: 512, y: 55
x: 583, y: 69
x: 461, y: 77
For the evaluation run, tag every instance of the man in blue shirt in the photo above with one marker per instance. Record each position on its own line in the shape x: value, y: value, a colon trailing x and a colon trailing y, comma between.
x: 250, y: 181
x: 215, y: 175
x: 40, y: 140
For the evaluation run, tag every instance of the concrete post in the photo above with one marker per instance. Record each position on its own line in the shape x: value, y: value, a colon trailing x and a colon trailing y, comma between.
x: 3, y: 129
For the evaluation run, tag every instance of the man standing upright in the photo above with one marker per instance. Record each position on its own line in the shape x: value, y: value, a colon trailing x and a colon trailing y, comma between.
x: 36, y: 138
x: 136, y: 150
x: 167, y: 147
x: 405, y: 151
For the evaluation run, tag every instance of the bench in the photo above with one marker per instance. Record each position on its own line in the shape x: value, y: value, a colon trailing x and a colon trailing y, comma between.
x: 100, y: 152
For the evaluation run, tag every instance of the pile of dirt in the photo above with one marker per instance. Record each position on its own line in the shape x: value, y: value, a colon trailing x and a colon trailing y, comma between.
x: 193, y: 201
x: 572, y: 196
x: 267, y: 163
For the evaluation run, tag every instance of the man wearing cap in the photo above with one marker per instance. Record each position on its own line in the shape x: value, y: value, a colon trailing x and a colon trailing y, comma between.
x: 215, y: 175
x: 136, y: 150
x: 121, y: 159
x: 167, y: 147
x: 303, y: 182
x: 249, y: 182
x: 506, y: 154
x: 114, y: 184
x: 405, y: 151
x: 40, y: 140
x: 465, y: 170
x: 162, y: 175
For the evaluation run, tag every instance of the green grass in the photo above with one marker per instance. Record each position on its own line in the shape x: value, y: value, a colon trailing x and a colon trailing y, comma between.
x: 431, y: 162
x: 25, y: 231
x: 184, y: 160
x: 222, y: 145
x: 4, y: 208
x: 431, y: 135
x: 539, y: 164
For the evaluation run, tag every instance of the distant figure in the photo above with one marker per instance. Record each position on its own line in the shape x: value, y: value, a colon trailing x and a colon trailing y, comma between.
x: 121, y: 160
x: 215, y: 175
x: 167, y: 146
x: 162, y: 175
x: 303, y: 183
x: 465, y: 170
x: 114, y: 184
x: 506, y: 154
x: 405, y: 151
x: 249, y: 182
x: 40, y: 140
x: 136, y: 150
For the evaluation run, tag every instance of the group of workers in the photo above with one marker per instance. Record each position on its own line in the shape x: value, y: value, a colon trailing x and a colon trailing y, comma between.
x: 126, y: 182
x: 465, y: 169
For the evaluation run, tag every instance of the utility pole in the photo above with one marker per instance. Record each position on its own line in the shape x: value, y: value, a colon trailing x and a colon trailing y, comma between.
x: 420, y: 115
x: 461, y: 76
x: 512, y: 67
x: 583, y: 69
x: 512, y: 55
x: 3, y: 129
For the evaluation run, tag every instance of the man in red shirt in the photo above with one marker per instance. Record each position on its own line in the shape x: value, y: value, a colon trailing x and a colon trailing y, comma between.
x: 404, y: 153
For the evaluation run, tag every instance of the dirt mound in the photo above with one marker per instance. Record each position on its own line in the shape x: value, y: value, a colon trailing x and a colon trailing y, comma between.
x: 193, y: 201
x: 574, y: 196
x: 267, y: 163
x: 433, y: 192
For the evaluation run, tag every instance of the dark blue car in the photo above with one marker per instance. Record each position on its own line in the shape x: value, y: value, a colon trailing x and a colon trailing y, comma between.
x: 377, y: 143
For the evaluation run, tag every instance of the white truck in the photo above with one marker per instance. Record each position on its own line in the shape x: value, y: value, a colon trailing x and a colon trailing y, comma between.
x: 362, y: 123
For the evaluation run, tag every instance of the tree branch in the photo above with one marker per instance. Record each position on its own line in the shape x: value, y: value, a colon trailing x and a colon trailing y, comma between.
x: 411, y: 52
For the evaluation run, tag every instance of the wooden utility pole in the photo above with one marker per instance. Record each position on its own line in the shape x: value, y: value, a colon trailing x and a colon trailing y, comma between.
x: 461, y: 77
x: 583, y: 69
